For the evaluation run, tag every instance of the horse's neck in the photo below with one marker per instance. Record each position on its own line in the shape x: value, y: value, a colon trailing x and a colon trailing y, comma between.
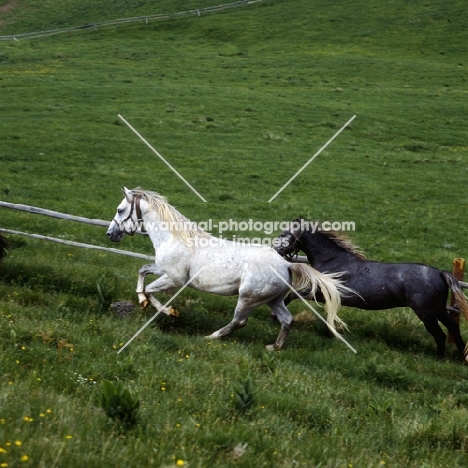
x: 324, y: 254
x: 157, y: 230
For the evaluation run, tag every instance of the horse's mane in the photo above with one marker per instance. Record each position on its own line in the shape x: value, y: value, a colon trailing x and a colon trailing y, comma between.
x: 178, y: 224
x: 343, y: 241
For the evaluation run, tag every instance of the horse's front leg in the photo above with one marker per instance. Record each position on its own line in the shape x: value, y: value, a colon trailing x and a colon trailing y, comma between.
x: 149, y: 269
x: 163, y: 283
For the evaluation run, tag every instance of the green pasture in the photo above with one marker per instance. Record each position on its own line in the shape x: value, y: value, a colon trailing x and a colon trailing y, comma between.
x: 237, y: 101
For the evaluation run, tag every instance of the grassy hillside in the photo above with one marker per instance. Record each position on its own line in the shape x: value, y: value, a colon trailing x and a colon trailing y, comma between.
x: 32, y: 15
x: 245, y: 87
x: 237, y: 102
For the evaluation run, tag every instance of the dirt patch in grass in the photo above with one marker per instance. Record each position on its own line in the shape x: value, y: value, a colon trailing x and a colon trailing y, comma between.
x: 7, y: 8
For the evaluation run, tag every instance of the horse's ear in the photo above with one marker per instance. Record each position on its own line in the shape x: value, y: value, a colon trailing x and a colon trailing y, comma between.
x: 296, y: 227
x: 127, y: 193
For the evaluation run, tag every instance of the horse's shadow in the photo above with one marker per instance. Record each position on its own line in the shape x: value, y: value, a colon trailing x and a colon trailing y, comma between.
x: 398, y: 329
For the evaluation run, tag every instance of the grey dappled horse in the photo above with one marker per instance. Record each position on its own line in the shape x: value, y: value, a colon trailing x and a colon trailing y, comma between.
x: 378, y: 285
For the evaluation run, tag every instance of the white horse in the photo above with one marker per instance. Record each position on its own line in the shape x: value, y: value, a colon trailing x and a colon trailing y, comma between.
x: 185, y: 252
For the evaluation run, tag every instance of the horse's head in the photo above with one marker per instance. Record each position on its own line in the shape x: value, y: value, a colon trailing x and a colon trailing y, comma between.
x: 128, y: 217
x: 287, y: 243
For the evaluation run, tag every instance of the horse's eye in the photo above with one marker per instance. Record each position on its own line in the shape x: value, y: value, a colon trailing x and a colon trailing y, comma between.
x: 120, y: 210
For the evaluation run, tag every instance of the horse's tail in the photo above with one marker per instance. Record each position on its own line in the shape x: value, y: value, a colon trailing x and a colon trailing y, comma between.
x: 3, y: 247
x: 456, y: 287
x: 304, y: 276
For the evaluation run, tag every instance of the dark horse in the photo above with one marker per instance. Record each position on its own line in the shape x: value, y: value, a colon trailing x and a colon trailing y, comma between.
x: 378, y: 285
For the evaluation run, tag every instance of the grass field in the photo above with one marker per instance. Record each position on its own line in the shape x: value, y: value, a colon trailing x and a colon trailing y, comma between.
x: 237, y: 102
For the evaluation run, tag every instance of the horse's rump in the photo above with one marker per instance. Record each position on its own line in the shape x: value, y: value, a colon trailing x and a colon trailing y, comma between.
x: 454, y: 285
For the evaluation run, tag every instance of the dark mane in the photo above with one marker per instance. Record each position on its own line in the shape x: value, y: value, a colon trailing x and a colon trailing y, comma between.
x: 343, y: 241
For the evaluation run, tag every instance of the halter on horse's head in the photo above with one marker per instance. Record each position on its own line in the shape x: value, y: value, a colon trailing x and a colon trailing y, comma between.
x: 130, y: 213
x: 127, y: 225
x: 287, y: 243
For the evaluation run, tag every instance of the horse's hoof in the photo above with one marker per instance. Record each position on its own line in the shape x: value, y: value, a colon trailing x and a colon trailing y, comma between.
x: 213, y: 336
x: 144, y: 304
x: 173, y: 312
x: 271, y: 347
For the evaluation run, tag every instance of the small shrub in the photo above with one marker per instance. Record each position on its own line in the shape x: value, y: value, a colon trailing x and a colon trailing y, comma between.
x: 244, y: 395
x: 119, y: 403
x: 269, y: 362
x: 105, y: 293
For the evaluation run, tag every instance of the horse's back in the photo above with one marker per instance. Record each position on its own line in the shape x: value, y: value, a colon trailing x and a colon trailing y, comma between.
x: 386, y: 285
x: 232, y: 268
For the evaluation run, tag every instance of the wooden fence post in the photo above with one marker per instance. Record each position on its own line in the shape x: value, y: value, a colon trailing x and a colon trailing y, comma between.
x: 458, y: 270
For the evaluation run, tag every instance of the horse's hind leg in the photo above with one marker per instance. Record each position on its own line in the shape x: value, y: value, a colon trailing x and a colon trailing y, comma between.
x: 432, y: 326
x: 289, y: 298
x: 454, y: 330
x: 286, y: 320
x: 241, y: 315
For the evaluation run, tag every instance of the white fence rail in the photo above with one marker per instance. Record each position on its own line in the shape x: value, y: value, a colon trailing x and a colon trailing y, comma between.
x: 78, y: 244
x: 53, y: 214
x: 80, y: 219
x: 57, y: 214
x: 146, y: 19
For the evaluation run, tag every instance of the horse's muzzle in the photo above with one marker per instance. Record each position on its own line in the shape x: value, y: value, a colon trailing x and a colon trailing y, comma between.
x: 114, y: 235
x: 281, y: 246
